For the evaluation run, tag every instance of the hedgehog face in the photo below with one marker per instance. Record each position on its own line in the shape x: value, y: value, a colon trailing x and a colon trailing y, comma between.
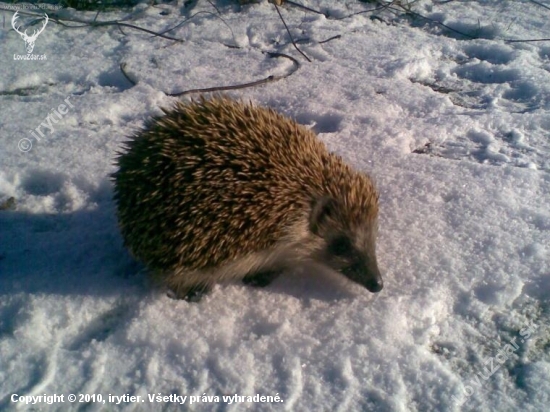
x: 350, y: 251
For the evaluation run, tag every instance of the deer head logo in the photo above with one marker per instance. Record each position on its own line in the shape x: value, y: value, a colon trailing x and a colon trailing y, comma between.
x: 29, y: 40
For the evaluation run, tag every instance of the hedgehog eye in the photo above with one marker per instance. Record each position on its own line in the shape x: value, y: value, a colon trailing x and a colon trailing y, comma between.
x: 340, y: 246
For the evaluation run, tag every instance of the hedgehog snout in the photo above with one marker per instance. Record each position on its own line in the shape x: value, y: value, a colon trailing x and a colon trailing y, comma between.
x: 369, y: 277
x: 375, y: 284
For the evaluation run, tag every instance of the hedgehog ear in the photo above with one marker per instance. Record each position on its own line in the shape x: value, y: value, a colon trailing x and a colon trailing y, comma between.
x: 322, y: 209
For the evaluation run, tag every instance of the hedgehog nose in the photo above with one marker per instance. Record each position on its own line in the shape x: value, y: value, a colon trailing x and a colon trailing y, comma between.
x: 370, y: 279
x: 374, y: 282
x: 375, y: 286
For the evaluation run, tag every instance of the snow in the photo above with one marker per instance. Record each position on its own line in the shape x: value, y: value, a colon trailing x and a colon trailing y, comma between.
x: 456, y: 132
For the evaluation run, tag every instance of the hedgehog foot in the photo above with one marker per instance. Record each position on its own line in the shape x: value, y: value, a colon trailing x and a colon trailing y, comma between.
x: 261, y: 279
x: 192, y: 294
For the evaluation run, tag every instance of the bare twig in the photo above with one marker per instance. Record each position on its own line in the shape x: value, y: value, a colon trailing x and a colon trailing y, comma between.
x: 268, y: 79
x: 524, y: 41
x: 196, y: 14
x: 84, y: 23
x: 413, y: 13
x: 131, y: 26
x: 121, y: 31
x: 288, y: 31
x: 300, y: 6
x: 540, y: 4
x: 213, y: 5
x: 470, y: 36
x: 123, y: 70
x: 338, y: 36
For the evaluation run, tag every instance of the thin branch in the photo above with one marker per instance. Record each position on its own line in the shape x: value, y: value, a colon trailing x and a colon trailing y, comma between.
x: 213, y: 5
x: 268, y: 79
x: 194, y: 15
x: 288, y: 31
x: 540, y: 4
x: 84, y: 23
x: 413, y: 13
x: 121, y: 31
x: 123, y: 70
x: 524, y: 41
x: 203, y: 12
x: 300, y: 6
x: 131, y: 26
x: 338, y: 36
x: 470, y: 36
x: 219, y: 16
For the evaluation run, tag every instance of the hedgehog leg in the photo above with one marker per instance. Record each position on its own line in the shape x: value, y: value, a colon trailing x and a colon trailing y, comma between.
x: 190, y: 294
x: 261, y: 279
x: 196, y: 293
x: 186, y: 284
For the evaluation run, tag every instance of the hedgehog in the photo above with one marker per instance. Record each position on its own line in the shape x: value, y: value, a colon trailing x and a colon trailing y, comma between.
x: 218, y: 189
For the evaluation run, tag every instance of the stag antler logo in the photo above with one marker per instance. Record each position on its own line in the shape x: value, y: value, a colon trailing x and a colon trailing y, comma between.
x: 29, y: 40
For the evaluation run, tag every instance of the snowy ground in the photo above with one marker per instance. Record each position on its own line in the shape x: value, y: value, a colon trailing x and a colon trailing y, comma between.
x: 455, y: 130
